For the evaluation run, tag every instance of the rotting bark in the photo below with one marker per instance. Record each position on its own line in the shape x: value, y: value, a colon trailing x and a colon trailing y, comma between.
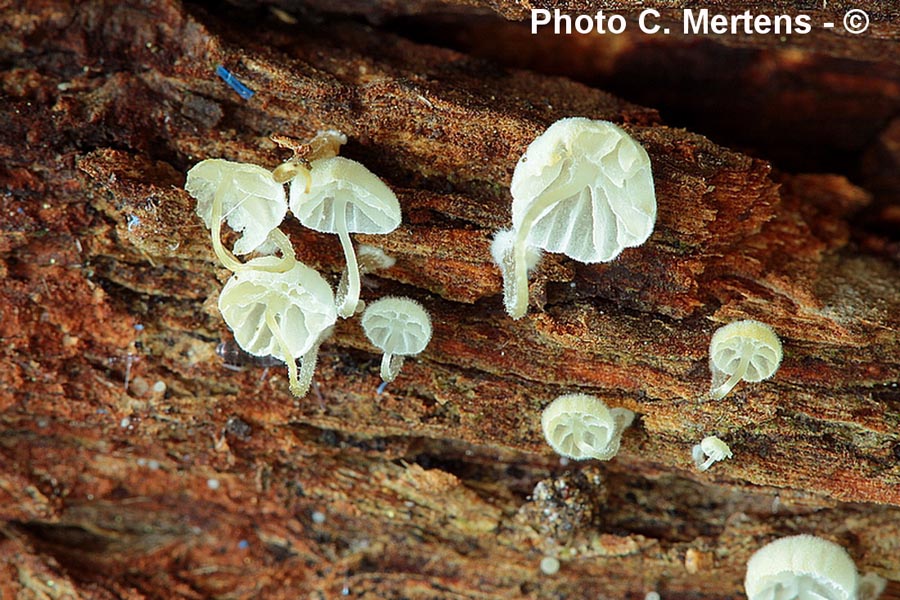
x: 222, y: 485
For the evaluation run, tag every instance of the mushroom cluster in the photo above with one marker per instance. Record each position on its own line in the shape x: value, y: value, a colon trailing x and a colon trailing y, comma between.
x: 277, y: 306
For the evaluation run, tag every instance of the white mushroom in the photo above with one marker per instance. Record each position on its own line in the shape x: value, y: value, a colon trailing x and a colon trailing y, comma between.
x: 801, y: 567
x: 583, y: 188
x: 712, y: 449
x: 285, y: 315
x: 250, y: 200
x: 747, y: 350
x: 400, y: 327
x: 345, y: 197
x: 580, y: 427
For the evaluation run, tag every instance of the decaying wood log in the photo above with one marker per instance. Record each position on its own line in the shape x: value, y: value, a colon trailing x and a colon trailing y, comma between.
x: 135, y: 465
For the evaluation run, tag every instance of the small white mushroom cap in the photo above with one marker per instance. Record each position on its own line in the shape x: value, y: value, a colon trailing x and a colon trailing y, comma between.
x: 870, y: 586
x: 747, y: 350
x: 502, y: 250
x: 285, y: 315
x: 245, y: 195
x: 580, y: 427
x: 712, y: 449
x: 801, y: 567
x: 399, y: 327
x: 345, y: 197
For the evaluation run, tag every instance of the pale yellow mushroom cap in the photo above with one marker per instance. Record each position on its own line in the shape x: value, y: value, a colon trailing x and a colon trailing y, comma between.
x: 758, y: 339
x: 744, y: 350
x: 397, y: 325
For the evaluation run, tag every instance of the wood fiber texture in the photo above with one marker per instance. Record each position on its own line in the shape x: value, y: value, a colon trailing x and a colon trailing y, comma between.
x: 135, y: 464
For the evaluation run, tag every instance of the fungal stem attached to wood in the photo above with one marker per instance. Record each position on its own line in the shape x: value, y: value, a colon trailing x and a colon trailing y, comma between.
x: 736, y: 377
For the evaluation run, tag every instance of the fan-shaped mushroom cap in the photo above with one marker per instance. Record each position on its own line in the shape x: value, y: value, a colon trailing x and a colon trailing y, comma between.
x: 580, y: 427
x: 801, y: 567
x: 747, y: 350
x: 584, y: 188
x: 341, y: 183
x: 252, y: 202
x: 299, y: 300
x: 399, y: 327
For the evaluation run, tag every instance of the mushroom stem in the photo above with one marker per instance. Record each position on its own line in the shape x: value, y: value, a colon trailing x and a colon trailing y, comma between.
x: 307, y: 368
x: 722, y: 391
x: 288, y: 258
x: 223, y: 254
x: 390, y: 366
x: 347, y: 303
x: 517, y: 302
x: 294, y: 384
x: 706, y: 464
x: 229, y: 261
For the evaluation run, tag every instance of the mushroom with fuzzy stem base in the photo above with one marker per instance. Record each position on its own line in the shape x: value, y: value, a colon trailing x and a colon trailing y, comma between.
x: 284, y: 315
x: 346, y: 197
x: 400, y: 327
x: 250, y: 200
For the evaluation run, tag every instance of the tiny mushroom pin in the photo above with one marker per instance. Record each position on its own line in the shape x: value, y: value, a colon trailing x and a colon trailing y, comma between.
x: 583, y: 188
x: 250, y: 200
x: 344, y: 197
x: 712, y: 449
x: 400, y: 327
x: 580, y: 426
x: 285, y: 315
x: 743, y: 350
